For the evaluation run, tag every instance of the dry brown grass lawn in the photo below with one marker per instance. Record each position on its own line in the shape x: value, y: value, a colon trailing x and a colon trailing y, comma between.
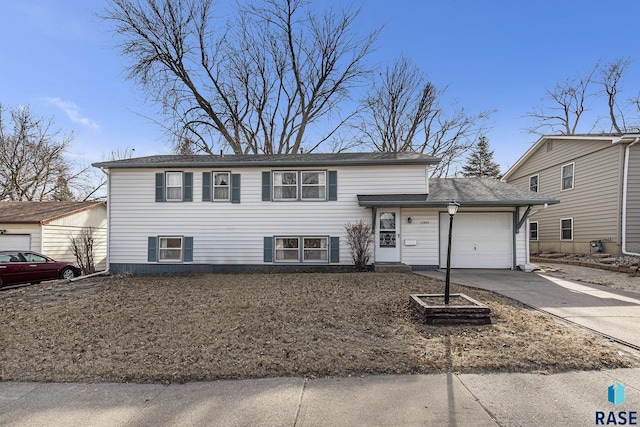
x: 205, y: 327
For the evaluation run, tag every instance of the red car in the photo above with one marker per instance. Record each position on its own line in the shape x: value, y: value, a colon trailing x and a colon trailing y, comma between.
x: 30, y: 267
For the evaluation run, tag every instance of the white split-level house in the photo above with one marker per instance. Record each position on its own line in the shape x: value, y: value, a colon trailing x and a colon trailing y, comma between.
x: 174, y: 213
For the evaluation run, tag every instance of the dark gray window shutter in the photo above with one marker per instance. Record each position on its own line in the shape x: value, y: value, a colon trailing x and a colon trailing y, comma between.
x: 160, y: 187
x: 206, y: 186
x: 235, y: 188
x: 187, y: 183
x: 334, y: 255
x: 268, y: 249
x: 152, y: 249
x: 333, y: 185
x: 266, y: 186
x: 187, y: 250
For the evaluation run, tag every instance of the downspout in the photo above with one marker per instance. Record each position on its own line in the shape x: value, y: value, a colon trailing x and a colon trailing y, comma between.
x: 627, y: 153
x: 103, y: 272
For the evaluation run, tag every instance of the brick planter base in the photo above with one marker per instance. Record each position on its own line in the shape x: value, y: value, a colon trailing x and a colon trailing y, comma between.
x: 462, y: 310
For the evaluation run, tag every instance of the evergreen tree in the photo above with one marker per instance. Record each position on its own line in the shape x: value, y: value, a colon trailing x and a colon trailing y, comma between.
x: 480, y: 162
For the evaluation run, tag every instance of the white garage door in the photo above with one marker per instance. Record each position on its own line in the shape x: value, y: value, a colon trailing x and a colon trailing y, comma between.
x: 20, y: 242
x: 479, y: 240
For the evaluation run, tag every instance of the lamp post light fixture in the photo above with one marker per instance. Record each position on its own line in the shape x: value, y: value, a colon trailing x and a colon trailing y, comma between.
x: 452, y: 208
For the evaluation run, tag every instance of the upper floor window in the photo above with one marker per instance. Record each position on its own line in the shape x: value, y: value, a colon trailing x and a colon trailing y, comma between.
x: 221, y: 185
x: 174, y: 186
x: 567, y: 176
x: 533, y: 183
x: 285, y: 185
x: 314, y: 185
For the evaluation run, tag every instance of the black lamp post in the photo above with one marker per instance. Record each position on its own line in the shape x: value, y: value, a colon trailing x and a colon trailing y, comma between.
x: 452, y: 208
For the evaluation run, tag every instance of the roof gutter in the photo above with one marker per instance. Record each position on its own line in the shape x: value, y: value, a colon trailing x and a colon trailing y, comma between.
x: 625, y: 184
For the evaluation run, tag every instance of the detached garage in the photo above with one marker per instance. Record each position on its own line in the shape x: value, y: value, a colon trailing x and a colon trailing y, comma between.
x: 46, y: 227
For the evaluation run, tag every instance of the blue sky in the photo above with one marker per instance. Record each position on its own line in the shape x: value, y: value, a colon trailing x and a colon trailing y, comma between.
x: 59, y: 58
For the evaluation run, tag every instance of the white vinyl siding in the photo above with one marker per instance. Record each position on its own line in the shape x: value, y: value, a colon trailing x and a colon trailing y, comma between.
x: 233, y: 233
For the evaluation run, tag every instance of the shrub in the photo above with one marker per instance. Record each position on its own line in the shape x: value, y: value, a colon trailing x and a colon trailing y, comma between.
x: 359, y: 240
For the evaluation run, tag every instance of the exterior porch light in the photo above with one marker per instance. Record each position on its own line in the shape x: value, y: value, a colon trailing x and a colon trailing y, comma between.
x: 452, y: 208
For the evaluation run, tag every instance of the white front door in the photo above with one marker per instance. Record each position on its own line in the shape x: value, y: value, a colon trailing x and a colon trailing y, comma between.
x: 387, y: 235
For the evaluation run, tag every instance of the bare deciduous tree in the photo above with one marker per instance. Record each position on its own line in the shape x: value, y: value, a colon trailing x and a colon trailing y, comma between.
x: 403, y: 112
x: 259, y: 85
x: 32, y: 163
x: 563, y: 107
x: 610, y: 75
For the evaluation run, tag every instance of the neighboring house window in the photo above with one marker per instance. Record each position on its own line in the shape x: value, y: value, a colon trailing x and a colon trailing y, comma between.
x: 221, y: 182
x: 285, y: 186
x: 174, y: 186
x: 170, y: 249
x: 316, y: 249
x: 287, y: 249
x: 314, y: 185
x: 533, y: 183
x: 566, y: 229
x: 567, y: 176
x: 533, y: 230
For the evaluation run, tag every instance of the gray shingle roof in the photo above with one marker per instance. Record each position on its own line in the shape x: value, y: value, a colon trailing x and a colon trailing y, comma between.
x: 262, y: 160
x: 40, y: 212
x: 466, y: 191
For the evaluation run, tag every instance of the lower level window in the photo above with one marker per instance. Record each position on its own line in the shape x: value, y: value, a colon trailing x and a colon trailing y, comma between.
x: 170, y: 249
x: 533, y: 230
x: 315, y: 249
x: 566, y: 229
x: 287, y: 249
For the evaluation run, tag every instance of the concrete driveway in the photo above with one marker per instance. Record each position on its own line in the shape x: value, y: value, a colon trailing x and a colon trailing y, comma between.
x: 612, y: 312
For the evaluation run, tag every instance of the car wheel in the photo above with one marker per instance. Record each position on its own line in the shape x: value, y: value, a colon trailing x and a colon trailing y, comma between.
x: 67, y: 273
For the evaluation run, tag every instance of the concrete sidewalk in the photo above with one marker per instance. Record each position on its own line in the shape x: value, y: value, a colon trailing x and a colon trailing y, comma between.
x: 609, y: 311
x: 566, y: 399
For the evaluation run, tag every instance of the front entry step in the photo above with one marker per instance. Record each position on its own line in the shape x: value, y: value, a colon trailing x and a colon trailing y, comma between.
x: 391, y: 267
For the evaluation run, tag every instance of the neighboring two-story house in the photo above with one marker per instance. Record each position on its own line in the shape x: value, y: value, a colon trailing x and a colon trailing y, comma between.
x: 208, y: 213
x: 597, y: 180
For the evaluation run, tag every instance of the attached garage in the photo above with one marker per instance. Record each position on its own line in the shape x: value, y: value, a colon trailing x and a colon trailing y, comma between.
x: 479, y: 240
x: 15, y: 242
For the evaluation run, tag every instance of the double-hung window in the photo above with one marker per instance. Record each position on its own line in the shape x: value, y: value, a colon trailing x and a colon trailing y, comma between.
x: 315, y: 249
x: 170, y: 249
x: 285, y: 185
x: 567, y: 176
x: 287, y: 249
x: 533, y: 230
x: 314, y: 185
x: 221, y: 185
x: 533, y: 183
x: 566, y: 229
x: 174, y: 186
